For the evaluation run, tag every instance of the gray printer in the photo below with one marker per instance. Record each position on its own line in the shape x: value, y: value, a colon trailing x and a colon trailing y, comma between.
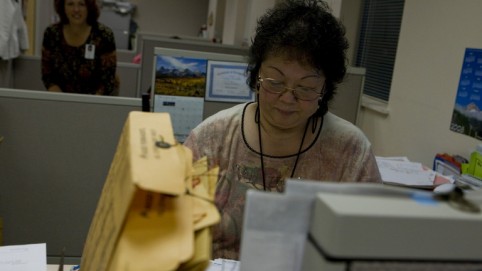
x: 358, y: 226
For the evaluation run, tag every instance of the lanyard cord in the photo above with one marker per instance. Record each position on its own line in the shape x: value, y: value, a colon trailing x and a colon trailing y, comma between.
x: 261, y: 147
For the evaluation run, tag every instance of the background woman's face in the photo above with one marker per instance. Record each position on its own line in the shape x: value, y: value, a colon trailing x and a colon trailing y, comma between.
x: 76, y: 11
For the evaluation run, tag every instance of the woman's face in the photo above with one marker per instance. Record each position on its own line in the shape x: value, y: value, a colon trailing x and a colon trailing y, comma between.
x: 76, y: 11
x: 288, y: 109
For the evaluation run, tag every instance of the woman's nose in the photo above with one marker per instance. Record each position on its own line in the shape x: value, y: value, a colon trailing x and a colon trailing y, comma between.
x: 288, y: 95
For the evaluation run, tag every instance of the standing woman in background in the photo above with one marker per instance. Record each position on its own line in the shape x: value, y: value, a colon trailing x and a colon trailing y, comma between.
x: 78, y: 52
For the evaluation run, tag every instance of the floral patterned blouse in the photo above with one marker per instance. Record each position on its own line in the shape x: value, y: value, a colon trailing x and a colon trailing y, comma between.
x: 341, y: 153
x: 76, y: 71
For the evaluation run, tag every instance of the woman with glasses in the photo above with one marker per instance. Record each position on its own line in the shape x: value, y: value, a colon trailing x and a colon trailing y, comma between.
x: 296, y: 60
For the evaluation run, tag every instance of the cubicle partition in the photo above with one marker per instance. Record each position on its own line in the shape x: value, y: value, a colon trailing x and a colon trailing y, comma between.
x: 346, y: 103
x: 148, y: 43
x: 347, y: 100
x: 136, y: 79
x: 54, y: 158
x: 26, y: 74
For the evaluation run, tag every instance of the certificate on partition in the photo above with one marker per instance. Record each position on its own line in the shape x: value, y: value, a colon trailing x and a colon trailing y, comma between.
x: 226, y: 82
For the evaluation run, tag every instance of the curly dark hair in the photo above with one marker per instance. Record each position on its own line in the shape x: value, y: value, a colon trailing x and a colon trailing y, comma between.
x: 93, y: 11
x: 304, y: 30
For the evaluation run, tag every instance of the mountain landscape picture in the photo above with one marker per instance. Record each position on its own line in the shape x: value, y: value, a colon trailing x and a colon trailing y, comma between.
x: 180, y: 76
x: 467, y: 117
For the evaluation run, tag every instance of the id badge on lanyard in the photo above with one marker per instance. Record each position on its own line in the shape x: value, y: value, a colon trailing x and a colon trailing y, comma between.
x: 89, y: 51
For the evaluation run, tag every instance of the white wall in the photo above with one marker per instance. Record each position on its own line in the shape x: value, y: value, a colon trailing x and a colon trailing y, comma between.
x: 432, y: 43
x: 254, y: 10
x: 234, y: 16
x: 167, y: 17
x: 350, y: 16
x: 44, y: 16
x: 176, y: 17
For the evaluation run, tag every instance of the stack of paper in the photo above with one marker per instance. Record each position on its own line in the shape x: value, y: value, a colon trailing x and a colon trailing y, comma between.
x: 401, y: 171
x: 469, y: 180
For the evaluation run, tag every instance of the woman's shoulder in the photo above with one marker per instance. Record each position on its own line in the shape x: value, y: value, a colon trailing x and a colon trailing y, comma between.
x: 223, y: 118
x: 103, y: 28
x: 103, y: 36
x: 52, y: 35
x: 218, y: 128
x: 53, y: 28
x: 341, y: 128
x: 228, y: 113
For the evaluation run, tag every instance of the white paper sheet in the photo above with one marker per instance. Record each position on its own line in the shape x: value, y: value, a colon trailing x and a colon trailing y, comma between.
x: 405, y: 172
x: 23, y: 257
x: 223, y: 265
x: 279, y: 236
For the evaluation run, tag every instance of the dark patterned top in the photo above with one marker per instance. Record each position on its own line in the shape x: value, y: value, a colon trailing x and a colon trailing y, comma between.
x: 68, y: 67
x: 341, y: 153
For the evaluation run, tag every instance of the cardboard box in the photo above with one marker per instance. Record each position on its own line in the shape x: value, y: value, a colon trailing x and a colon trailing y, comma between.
x: 149, y: 216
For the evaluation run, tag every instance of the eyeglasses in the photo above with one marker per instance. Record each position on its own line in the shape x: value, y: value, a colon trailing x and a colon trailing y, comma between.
x: 301, y: 93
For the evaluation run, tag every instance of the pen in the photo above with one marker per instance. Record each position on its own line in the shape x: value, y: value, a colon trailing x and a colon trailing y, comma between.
x: 61, y: 263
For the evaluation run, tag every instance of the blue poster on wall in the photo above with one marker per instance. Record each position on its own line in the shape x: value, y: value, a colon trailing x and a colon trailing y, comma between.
x: 467, y: 117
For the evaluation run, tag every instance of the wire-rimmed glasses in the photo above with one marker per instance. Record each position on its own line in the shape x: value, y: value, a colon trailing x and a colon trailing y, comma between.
x: 301, y: 93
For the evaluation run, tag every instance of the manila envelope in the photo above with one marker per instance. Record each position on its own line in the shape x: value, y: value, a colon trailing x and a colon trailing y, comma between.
x: 144, y: 217
x: 205, y: 214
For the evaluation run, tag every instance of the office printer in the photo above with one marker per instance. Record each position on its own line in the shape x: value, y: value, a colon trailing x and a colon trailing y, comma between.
x: 358, y: 226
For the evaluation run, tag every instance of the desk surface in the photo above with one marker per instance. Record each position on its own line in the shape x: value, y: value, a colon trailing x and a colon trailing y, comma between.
x: 55, y: 267
x: 215, y: 264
